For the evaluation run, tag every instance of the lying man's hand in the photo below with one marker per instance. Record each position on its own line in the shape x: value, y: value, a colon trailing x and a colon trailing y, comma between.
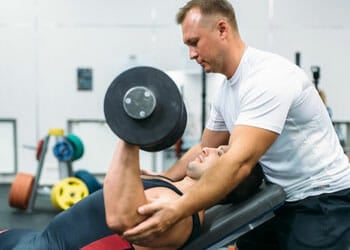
x: 163, y: 215
x: 148, y: 172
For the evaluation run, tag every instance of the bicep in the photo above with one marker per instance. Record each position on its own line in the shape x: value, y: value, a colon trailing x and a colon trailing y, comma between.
x: 248, y: 143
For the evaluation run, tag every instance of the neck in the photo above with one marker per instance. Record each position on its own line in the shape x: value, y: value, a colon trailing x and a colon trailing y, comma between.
x: 234, y: 57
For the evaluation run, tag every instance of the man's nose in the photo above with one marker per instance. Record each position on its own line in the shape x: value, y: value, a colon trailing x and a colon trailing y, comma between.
x: 193, y: 53
x: 205, y: 151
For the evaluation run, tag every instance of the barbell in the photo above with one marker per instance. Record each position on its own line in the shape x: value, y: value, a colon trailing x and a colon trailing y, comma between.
x: 144, y: 107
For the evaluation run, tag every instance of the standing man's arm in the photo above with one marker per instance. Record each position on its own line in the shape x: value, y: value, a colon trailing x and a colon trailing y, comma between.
x: 247, y: 145
x: 209, y: 139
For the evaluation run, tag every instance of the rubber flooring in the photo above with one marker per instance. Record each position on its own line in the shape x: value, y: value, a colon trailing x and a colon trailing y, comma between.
x: 42, y: 212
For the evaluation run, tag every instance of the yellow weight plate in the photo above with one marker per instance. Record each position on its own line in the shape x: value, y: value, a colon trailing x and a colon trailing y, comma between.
x: 68, y: 192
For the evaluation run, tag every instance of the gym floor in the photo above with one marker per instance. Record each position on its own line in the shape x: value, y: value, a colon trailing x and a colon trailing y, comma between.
x: 41, y: 215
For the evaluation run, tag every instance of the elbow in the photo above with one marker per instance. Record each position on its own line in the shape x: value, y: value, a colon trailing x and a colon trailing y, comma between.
x: 112, y: 223
x: 117, y: 223
x: 249, y: 185
x: 114, y: 213
x: 245, y: 170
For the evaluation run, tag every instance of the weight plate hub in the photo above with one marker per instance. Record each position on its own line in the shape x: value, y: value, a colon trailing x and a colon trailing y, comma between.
x: 63, y: 150
x: 158, y: 116
x: 139, y: 102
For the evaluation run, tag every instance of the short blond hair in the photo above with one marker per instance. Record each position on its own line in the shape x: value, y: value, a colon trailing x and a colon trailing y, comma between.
x: 208, y: 8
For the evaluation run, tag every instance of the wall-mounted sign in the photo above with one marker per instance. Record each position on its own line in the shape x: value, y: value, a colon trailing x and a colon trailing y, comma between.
x: 84, y: 78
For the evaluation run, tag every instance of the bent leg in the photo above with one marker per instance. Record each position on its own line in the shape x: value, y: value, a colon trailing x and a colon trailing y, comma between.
x: 80, y: 225
x: 74, y: 228
x: 19, y: 238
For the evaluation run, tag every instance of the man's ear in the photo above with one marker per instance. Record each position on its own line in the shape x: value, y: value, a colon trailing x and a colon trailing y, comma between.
x: 222, y: 27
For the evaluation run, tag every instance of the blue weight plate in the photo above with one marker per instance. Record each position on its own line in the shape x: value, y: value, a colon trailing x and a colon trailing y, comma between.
x: 89, y: 179
x: 63, y: 151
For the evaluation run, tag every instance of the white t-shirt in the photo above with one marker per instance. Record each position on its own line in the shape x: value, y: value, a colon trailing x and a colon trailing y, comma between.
x: 269, y: 92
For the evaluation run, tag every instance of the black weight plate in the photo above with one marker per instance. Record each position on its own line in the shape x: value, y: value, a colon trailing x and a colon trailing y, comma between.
x: 172, y: 137
x: 164, y: 119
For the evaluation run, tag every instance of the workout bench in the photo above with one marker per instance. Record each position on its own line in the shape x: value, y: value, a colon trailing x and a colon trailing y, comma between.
x: 223, y: 224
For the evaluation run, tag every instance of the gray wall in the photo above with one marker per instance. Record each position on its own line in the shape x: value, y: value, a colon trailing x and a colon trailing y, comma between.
x: 43, y: 42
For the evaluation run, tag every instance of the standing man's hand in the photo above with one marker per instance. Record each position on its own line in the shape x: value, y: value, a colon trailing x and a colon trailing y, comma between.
x: 163, y: 215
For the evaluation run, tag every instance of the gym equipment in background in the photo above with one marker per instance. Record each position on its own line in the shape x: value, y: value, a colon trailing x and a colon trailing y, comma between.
x: 89, y: 179
x: 21, y: 190
x: 68, y: 192
x: 25, y: 186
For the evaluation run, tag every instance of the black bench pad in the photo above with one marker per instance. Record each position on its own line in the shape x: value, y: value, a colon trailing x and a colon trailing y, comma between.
x: 225, y: 223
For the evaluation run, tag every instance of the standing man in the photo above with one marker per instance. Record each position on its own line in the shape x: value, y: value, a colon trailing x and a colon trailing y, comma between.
x: 268, y: 111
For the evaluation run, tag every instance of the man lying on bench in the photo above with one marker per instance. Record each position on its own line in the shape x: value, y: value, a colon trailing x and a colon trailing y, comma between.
x: 84, y: 226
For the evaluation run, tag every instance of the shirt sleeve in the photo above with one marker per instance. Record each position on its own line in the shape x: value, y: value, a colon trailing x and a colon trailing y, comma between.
x: 216, y: 122
x: 267, y: 105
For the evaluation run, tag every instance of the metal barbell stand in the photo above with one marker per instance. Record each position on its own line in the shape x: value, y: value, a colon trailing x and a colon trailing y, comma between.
x: 65, y: 168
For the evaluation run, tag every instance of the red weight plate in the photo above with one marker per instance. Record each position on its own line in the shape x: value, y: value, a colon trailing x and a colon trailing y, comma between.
x: 21, y: 190
x: 39, y: 148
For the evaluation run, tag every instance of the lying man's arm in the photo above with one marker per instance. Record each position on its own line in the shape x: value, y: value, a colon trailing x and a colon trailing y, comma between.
x: 247, y: 145
x: 124, y: 193
x: 123, y: 190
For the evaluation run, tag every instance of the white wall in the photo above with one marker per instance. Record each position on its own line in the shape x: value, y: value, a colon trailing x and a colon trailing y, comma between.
x: 43, y: 42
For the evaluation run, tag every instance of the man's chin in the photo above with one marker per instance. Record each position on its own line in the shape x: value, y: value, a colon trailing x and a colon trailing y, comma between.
x: 206, y: 69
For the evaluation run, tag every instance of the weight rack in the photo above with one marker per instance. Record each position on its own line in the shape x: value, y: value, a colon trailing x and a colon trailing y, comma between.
x: 65, y: 168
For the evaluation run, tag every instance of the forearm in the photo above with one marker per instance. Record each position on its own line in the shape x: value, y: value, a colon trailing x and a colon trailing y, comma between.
x: 212, y: 187
x: 247, y: 145
x: 178, y: 170
x: 209, y: 139
x: 123, y: 189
